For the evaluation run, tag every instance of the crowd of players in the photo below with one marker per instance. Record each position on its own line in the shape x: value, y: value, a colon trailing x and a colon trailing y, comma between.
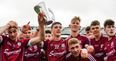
x: 48, y: 45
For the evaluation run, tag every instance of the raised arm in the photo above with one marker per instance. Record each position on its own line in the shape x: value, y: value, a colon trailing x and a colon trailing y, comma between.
x: 40, y: 36
x: 4, y: 28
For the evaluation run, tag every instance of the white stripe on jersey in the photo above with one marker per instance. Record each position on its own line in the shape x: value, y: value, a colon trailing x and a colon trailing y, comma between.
x: 91, y: 58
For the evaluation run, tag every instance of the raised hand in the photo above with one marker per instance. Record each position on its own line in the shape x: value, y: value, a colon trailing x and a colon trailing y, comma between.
x: 41, y: 16
x: 84, y: 53
x: 12, y: 24
x: 90, y: 49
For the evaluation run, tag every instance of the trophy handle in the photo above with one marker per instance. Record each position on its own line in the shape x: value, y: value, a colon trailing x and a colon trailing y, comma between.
x: 53, y: 16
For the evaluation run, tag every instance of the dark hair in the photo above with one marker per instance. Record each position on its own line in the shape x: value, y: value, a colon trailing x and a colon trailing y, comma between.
x: 109, y: 22
x: 55, y: 24
x: 95, y: 22
x: 76, y: 18
x: 87, y: 28
x: 48, y: 31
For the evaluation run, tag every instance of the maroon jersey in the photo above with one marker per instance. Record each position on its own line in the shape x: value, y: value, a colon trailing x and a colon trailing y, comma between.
x: 84, y: 40
x: 110, y: 49
x: 0, y: 49
x: 55, y: 49
x: 24, y: 36
x: 98, y: 48
x: 11, y: 50
x: 78, y: 58
x: 0, y: 54
x: 32, y: 53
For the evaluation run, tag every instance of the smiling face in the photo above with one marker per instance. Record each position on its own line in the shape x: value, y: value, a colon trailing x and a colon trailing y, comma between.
x: 95, y: 30
x: 75, y: 25
x: 74, y: 46
x: 75, y: 49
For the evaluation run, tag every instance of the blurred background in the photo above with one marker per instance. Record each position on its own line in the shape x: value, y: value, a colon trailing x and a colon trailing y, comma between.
x: 88, y: 10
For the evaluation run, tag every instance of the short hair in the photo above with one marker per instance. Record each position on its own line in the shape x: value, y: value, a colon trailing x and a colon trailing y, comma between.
x: 87, y: 28
x: 95, y: 22
x: 75, y: 18
x: 27, y: 26
x: 108, y: 22
x: 73, y: 41
x: 15, y: 25
x: 48, y: 31
x: 55, y: 24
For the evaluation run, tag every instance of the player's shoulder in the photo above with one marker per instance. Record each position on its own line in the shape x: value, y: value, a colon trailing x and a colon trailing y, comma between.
x: 68, y: 55
x: 105, y: 37
x: 83, y: 37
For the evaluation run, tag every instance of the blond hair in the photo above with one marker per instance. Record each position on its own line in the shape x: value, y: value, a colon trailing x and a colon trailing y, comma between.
x: 13, y: 24
x: 73, y: 41
x: 75, y: 18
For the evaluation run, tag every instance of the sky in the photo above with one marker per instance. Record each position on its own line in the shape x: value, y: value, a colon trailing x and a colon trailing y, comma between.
x: 22, y: 11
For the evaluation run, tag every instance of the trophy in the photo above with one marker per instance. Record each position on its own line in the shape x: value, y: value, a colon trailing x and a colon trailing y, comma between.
x: 42, y: 7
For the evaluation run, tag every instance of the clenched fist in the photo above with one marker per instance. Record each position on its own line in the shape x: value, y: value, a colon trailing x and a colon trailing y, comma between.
x: 84, y: 53
x: 90, y: 49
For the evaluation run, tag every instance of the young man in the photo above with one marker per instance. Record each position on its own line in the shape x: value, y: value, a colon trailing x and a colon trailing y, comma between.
x: 32, y: 53
x: 110, y: 45
x: 56, y: 47
x: 12, y: 47
x: 76, y: 52
x: 88, y: 34
x: 75, y: 27
x: 48, y: 35
x: 25, y: 32
x: 98, y: 41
